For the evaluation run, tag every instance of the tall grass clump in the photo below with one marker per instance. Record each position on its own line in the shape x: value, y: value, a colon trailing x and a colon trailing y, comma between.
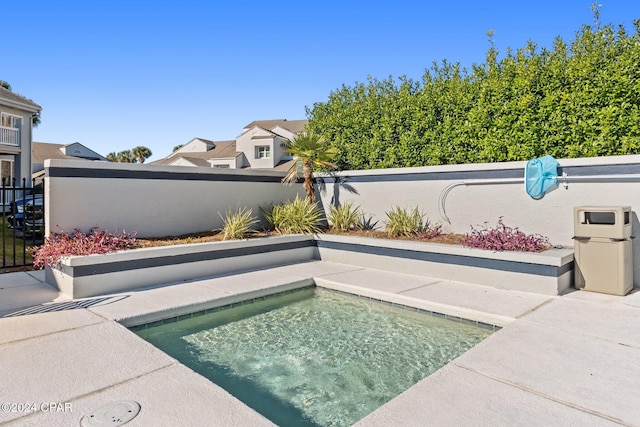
x: 344, y: 217
x: 402, y: 222
x: 295, y: 217
x: 504, y: 238
x: 237, y: 224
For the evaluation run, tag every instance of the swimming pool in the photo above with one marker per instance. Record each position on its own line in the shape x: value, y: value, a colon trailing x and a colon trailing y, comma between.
x: 314, y: 357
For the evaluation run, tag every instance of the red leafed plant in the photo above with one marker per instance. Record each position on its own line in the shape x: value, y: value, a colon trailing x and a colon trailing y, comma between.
x: 78, y: 243
x: 504, y: 238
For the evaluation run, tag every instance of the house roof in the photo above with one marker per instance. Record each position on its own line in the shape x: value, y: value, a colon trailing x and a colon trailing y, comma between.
x: 206, y: 141
x: 193, y: 160
x: 295, y: 126
x: 221, y: 149
x: 41, y: 151
x: 271, y: 135
x: 227, y: 149
x: 15, y: 100
x: 285, y: 165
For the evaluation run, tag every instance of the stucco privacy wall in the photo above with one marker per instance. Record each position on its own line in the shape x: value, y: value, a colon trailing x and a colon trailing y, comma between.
x: 153, y: 200
x: 501, y: 195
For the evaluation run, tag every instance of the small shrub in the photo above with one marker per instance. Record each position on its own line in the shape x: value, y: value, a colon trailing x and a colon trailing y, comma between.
x: 344, y: 217
x: 431, y: 232
x: 365, y: 223
x: 503, y: 238
x: 237, y: 224
x: 298, y: 216
x: 78, y: 243
x: 401, y: 222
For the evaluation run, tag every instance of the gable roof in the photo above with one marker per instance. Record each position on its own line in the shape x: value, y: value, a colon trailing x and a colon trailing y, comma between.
x: 41, y: 151
x: 285, y: 165
x: 295, y: 126
x: 12, y: 99
x: 221, y: 149
x: 196, y: 145
x: 193, y: 160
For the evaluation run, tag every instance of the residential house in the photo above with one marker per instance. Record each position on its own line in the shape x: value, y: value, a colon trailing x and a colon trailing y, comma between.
x: 261, y: 145
x: 206, y: 153
x: 42, y: 151
x: 16, y: 118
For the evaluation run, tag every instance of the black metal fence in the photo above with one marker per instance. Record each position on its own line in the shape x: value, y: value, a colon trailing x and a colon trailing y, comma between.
x: 22, y: 225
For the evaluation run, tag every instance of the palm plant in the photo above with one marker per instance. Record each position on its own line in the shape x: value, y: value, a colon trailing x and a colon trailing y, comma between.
x: 125, y: 156
x: 311, y: 151
x: 141, y: 154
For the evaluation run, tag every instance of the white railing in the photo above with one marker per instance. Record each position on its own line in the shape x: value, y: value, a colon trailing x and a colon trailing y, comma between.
x: 9, y: 136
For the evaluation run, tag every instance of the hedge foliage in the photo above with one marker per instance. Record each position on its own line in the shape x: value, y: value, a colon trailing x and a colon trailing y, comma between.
x: 580, y: 99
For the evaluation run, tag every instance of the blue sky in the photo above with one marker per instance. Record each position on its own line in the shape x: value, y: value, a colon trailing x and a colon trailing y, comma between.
x: 114, y: 74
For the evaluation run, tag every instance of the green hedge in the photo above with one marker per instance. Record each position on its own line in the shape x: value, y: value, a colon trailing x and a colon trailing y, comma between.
x: 577, y: 99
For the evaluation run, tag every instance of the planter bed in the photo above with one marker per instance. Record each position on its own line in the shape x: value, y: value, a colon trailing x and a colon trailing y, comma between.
x: 92, y: 275
x: 548, y: 272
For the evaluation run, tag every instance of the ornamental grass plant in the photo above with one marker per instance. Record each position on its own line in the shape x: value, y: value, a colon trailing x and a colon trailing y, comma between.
x: 237, y: 224
x: 344, y: 217
x: 402, y: 222
x: 299, y: 216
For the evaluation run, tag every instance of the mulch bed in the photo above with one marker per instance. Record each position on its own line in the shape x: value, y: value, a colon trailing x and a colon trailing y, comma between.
x: 214, y: 236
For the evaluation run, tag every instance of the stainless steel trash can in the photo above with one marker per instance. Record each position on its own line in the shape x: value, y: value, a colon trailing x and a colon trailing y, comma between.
x: 603, y: 250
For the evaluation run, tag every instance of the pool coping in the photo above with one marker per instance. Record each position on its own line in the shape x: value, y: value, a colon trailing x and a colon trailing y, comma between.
x: 173, y: 317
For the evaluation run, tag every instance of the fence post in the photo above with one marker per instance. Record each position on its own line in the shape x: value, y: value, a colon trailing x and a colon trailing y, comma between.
x: 4, y: 220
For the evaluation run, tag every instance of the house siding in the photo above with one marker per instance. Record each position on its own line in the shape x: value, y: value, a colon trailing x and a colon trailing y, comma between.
x: 22, y: 153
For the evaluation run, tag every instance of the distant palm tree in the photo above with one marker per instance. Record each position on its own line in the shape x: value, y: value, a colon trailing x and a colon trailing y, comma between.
x: 112, y: 156
x: 125, y: 156
x: 141, y: 153
x: 5, y: 85
x: 311, y: 151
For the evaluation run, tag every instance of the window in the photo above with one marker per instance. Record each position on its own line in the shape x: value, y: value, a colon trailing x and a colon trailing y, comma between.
x: 10, y: 126
x: 221, y: 166
x: 10, y: 121
x: 263, y: 152
x: 6, y: 171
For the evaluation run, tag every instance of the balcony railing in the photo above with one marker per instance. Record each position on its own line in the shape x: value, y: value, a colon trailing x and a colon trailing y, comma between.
x: 9, y: 136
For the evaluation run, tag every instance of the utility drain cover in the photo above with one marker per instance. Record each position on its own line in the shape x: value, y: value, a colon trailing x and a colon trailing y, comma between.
x: 112, y: 414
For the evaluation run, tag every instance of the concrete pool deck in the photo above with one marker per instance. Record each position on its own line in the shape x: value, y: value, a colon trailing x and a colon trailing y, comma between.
x: 558, y: 360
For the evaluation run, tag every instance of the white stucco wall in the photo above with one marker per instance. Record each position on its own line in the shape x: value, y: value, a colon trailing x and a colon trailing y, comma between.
x: 153, y: 200
x: 247, y: 143
x: 378, y: 191
x: 470, y: 195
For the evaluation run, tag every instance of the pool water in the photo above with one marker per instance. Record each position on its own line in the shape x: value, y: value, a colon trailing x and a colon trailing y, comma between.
x: 314, y: 357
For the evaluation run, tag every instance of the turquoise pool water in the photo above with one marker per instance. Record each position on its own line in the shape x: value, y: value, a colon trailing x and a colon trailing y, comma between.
x: 314, y: 357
